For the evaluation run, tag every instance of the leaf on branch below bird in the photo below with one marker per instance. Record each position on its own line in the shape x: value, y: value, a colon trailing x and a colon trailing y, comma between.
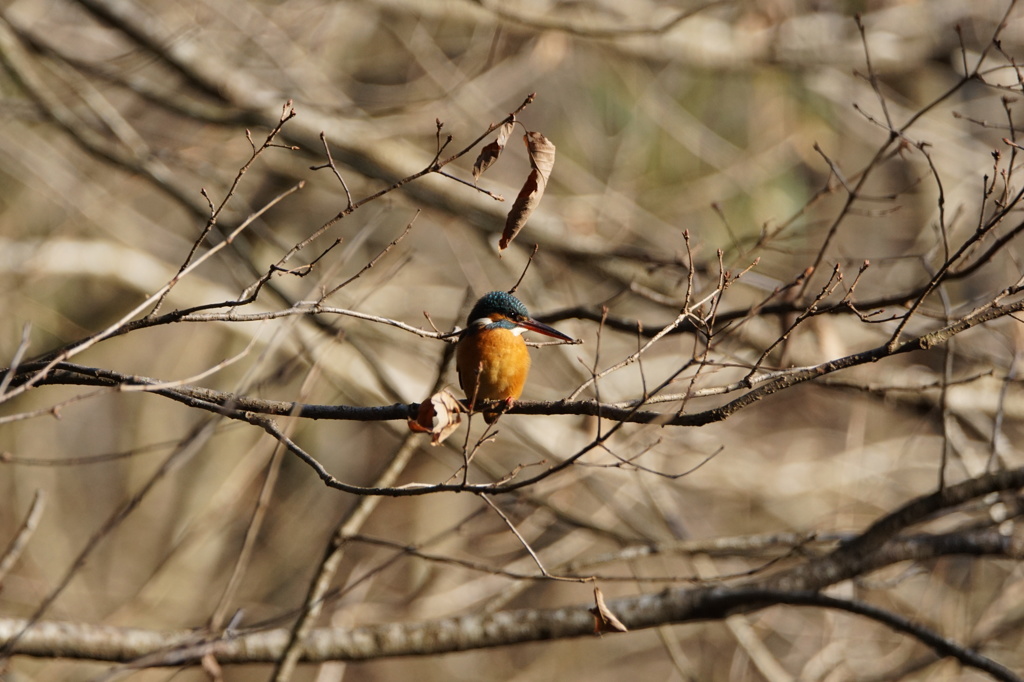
x: 439, y: 416
x: 490, y: 153
x: 542, y: 160
x: 604, y: 619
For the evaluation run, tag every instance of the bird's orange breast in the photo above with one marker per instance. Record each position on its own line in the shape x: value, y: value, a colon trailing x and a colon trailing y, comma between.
x: 492, y: 364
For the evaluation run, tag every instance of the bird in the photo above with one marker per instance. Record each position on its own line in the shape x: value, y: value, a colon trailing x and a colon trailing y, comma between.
x: 491, y: 356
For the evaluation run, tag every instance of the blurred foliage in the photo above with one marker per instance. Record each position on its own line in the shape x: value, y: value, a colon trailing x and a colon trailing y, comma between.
x: 666, y: 117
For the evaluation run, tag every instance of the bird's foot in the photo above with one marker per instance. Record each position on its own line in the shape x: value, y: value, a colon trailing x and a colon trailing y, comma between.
x: 503, y: 407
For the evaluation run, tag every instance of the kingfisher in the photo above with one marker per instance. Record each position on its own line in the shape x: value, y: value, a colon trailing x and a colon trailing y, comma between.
x: 491, y: 355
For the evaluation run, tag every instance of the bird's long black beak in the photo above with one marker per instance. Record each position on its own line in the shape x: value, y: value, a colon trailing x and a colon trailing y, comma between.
x: 541, y: 328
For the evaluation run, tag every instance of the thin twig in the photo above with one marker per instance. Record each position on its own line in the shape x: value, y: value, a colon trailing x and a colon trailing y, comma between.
x: 16, y: 547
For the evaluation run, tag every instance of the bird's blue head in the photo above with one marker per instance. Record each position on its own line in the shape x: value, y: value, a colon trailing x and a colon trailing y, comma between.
x: 501, y: 309
x: 497, y: 305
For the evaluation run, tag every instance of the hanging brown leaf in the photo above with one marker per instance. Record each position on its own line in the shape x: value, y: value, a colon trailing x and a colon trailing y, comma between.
x: 604, y: 619
x: 439, y: 416
x: 542, y: 159
x: 490, y: 153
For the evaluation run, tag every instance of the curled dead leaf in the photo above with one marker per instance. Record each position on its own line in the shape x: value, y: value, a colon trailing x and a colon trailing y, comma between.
x: 439, y: 416
x: 541, y: 151
x: 604, y: 619
x: 542, y: 160
x: 490, y: 152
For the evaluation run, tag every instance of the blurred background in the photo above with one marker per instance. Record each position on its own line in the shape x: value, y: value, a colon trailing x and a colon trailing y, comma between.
x: 739, y: 123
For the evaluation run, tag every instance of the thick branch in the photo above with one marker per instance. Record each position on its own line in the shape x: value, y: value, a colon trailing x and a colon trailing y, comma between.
x: 67, y: 373
x: 868, y: 552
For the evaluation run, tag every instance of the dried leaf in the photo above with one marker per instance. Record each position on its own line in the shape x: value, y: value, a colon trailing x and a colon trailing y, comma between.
x: 542, y: 159
x: 604, y: 619
x: 542, y: 153
x: 490, y: 153
x: 529, y: 197
x: 440, y: 416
